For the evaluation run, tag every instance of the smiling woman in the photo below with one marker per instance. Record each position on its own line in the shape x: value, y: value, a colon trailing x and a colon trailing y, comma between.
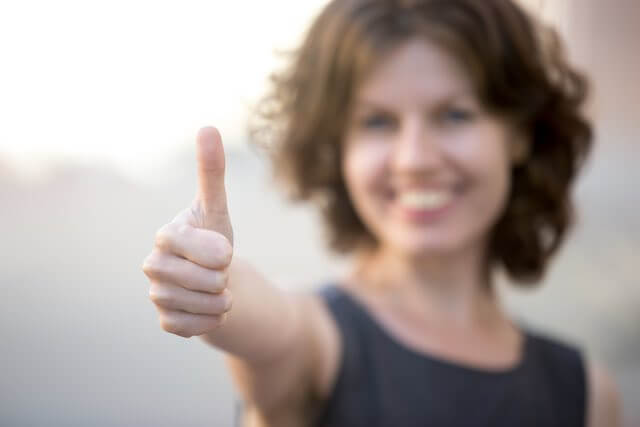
x: 128, y: 81
x: 441, y: 140
x: 479, y: 85
x: 396, y: 174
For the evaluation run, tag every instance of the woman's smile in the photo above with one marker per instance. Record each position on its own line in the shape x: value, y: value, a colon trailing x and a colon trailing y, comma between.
x: 426, y: 205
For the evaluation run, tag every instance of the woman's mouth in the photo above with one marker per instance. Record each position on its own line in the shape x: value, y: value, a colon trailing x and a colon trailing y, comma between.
x: 424, y: 205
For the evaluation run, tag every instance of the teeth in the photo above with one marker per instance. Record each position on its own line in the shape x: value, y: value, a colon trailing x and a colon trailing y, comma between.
x: 425, y: 199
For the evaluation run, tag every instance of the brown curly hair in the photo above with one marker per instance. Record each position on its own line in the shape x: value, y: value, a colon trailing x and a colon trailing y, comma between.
x: 519, y: 71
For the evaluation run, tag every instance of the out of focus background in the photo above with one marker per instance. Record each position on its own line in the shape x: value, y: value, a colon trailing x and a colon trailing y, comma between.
x: 99, y: 106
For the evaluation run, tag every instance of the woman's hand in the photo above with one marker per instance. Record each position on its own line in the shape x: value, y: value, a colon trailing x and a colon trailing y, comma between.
x: 279, y: 343
x: 188, y: 266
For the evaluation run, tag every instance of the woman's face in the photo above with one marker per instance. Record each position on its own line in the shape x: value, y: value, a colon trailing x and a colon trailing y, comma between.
x: 427, y: 168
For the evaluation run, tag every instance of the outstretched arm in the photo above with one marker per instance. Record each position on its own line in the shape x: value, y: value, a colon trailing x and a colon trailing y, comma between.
x: 274, y: 339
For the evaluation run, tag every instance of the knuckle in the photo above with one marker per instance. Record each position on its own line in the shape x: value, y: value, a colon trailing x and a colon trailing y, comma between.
x: 166, y: 236
x: 151, y: 265
x: 224, y: 250
x: 227, y: 251
x: 227, y: 300
x: 172, y: 326
x: 154, y: 294
x: 185, y: 334
x: 147, y: 267
x: 219, y: 304
x: 225, y: 277
x: 163, y: 237
x: 166, y: 324
x: 219, y: 281
x: 183, y: 230
x: 161, y: 297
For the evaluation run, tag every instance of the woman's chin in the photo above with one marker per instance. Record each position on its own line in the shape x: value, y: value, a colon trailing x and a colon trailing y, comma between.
x: 425, y: 248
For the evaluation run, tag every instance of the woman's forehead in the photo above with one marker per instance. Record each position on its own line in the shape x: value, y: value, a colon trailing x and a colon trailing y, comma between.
x: 415, y: 71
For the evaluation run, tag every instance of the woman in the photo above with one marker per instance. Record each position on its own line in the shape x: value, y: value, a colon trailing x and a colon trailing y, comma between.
x: 440, y: 138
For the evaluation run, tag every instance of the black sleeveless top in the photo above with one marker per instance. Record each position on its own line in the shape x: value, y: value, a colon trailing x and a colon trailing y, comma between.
x: 381, y: 383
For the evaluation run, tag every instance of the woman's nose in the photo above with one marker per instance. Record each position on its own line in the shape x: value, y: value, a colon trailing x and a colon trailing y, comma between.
x: 416, y: 148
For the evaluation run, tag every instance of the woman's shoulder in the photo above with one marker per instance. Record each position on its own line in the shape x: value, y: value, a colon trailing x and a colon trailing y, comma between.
x: 573, y: 373
x: 555, y: 351
x: 556, y: 363
x: 604, y: 407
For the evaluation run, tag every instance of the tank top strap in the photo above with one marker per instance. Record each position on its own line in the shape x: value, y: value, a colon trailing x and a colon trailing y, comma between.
x: 563, y: 367
x: 352, y: 394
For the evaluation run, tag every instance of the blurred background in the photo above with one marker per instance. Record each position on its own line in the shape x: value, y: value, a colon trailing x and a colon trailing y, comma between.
x: 99, y: 106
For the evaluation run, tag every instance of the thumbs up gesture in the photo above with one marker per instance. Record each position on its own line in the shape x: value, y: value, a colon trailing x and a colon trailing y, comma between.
x: 188, y: 266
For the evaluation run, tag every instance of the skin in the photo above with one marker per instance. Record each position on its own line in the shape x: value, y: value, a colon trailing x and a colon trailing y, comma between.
x: 410, y: 133
x: 423, y: 282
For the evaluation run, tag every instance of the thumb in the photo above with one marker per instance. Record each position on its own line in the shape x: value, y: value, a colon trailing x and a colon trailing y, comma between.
x: 211, y: 199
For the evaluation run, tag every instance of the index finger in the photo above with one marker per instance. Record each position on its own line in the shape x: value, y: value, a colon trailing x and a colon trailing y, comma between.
x: 206, y: 248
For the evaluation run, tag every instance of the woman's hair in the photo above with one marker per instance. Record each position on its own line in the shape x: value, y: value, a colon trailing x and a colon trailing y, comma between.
x: 518, y: 69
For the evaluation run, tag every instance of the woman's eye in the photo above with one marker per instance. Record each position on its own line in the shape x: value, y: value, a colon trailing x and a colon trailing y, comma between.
x: 456, y: 116
x: 377, y: 121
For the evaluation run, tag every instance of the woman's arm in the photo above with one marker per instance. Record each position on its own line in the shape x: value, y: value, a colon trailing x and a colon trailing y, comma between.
x: 264, y: 321
x: 604, y: 407
x: 281, y: 387
x: 275, y: 339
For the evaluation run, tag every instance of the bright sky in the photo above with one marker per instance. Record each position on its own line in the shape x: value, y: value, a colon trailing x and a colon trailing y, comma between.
x: 128, y: 81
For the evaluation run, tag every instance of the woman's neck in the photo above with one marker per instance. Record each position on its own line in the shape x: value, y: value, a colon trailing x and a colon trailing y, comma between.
x: 454, y: 289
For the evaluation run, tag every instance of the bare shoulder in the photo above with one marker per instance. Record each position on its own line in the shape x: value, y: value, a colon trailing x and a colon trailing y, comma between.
x: 604, y: 406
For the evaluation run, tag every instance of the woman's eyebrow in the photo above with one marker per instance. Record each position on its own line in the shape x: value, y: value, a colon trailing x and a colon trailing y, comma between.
x: 364, y: 103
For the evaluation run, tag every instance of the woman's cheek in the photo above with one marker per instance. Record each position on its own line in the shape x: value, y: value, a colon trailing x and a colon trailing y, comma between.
x: 365, y: 159
x: 365, y: 166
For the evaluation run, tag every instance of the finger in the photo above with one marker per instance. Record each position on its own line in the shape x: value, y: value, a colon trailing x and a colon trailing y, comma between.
x: 207, y: 248
x: 161, y: 267
x: 177, y: 298
x: 211, y: 165
x: 186, y: 324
